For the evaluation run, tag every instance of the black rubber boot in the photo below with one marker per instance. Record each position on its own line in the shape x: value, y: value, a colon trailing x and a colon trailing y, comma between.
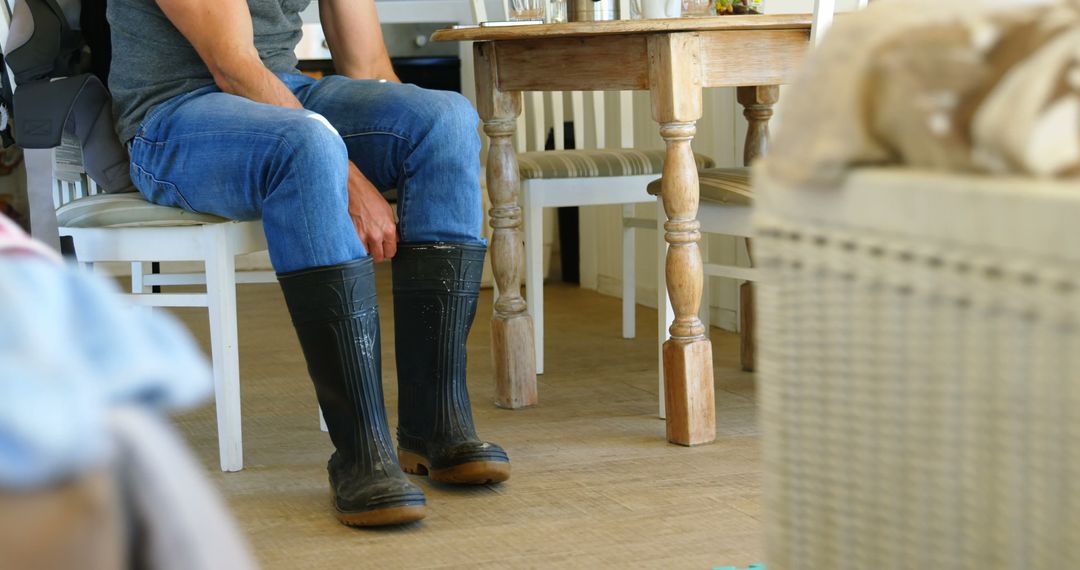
x: 436, y: 286
x: 337, y: 320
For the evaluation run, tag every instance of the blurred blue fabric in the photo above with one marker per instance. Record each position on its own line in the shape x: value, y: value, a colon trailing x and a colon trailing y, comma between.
x: 70, y: 349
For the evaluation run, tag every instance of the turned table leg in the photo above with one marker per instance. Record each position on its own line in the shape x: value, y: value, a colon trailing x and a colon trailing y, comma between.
x: 688, y: 372
x: 511, y: 326
x: 757, y: 105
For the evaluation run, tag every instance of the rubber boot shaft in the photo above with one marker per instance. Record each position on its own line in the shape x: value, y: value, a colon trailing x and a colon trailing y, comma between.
x: 436, y: 288
x: 336, y: 316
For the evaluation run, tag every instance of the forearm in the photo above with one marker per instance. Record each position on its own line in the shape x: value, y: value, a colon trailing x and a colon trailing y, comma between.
x: 221, y: 33
x: 256, y: 82
x: 355, y: 39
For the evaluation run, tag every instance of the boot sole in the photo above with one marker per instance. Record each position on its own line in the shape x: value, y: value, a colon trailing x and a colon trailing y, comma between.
x: 472, y: 473
x: 382, y: 517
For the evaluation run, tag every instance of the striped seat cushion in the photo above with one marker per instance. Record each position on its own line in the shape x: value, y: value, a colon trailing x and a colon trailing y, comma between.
x: 127, y: 210
x: 548, y: 164
x: 720, y: 186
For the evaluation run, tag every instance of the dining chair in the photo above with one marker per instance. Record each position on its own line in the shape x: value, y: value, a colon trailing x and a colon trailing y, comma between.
x: 726, y: 208
x: 126, y: 228
x: 65, y: 202
x: 603, y: 168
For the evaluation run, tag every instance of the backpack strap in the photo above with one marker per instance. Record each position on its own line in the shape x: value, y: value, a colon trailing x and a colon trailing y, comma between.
x: 42, y: 42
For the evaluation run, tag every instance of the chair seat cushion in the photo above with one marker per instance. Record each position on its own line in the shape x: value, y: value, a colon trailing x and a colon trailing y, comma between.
x: 548, y: 164
x: 127, y: 210
x: 728, y: 186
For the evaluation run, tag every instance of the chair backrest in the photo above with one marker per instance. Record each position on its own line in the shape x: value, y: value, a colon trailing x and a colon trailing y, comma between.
x: 71, y: 181
x: 545, y: 112
x: 824, y: 10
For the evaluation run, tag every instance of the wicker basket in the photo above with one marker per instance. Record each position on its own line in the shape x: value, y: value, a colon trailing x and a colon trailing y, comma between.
x: 920, y: 373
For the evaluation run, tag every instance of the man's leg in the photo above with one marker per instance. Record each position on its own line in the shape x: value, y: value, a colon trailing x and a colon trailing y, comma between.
x: 425, y: 144
x: 422, y: 142
x: 221, y: 154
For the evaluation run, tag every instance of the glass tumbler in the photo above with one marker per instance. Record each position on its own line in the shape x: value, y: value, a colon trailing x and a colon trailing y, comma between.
x: 697, y: 8
x: 556, y: 11
x: 527, y: 9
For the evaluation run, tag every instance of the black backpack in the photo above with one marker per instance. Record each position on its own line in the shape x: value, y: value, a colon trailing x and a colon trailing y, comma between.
x: 59, y: 52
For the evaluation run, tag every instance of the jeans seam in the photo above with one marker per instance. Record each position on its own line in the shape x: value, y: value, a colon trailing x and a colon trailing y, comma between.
x: 280, y: 139
x: 150, y: 117
x: 170, y: 185
x: 387, y: 133
x: 207, y: 133
x: 144, y: 140
x: 307, y: 222
x: 403, y: 198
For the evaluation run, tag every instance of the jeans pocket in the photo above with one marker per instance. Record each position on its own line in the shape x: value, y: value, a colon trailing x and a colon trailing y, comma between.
x: 160, y: 192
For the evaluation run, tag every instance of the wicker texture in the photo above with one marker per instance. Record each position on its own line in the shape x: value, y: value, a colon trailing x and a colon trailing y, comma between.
x: 919, y: 364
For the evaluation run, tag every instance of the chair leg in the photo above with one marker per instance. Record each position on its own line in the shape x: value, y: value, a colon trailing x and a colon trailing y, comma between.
x: 221, y: 293
x: 534, y: 272
x: 664, y: 312
x: 629, y: 274
x: 138, y: 270
x: 747, y: 322
x: 747, y: 348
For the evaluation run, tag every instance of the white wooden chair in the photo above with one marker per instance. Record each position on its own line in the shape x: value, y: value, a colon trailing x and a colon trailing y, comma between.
x: 593, y: 173
x: 126, y: 228
x: 726, y: 208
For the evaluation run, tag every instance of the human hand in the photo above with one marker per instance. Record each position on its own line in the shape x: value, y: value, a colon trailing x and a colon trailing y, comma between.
x: 372, y: 216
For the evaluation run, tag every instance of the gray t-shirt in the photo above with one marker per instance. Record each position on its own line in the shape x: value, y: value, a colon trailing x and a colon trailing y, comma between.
x: 153, y: 62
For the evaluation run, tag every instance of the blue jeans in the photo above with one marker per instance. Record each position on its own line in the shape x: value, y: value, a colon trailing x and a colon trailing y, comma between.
x: 211, y: 152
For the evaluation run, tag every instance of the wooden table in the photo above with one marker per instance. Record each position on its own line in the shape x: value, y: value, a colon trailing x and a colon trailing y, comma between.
x: 673, y: 60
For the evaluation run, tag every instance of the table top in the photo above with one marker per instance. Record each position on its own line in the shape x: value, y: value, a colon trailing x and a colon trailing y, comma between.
x: 624, y: 27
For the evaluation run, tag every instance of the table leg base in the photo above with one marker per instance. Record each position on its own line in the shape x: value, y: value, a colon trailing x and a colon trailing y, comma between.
x: 515, y: 362
x: 688, y: 393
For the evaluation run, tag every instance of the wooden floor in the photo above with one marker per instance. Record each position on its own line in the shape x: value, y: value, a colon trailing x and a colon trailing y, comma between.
x: 594, y: 483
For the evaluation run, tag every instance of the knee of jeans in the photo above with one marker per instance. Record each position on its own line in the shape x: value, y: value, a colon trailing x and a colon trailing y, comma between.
x: 456, y: 120
x: 317, y: 155
x: 315, y: 145
x: 311, y: 135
